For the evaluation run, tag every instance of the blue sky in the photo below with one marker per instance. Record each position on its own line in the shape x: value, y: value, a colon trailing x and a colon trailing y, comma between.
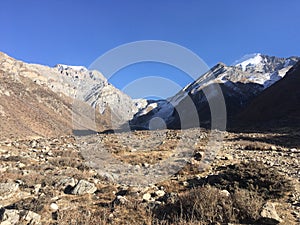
x: 77, y: 32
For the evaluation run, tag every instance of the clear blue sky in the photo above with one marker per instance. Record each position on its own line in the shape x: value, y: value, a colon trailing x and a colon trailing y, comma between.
x: 77, y: 32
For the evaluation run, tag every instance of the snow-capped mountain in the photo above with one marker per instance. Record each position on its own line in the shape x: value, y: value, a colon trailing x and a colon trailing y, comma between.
x: 277, y: 106
x: 240, y: 83
x: 76, y: 87
x: 271, y: 69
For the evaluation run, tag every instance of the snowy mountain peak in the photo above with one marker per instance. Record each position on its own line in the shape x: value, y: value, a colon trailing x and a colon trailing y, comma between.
x: 249, y: 60
x: 67, y: 67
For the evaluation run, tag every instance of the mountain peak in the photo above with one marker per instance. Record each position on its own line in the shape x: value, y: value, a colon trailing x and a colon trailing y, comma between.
x: 68, y: 67
x: 249, y: 60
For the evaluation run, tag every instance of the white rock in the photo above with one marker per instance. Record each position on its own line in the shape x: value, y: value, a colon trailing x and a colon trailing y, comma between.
x: 293, y: 150
x: 7, y: 190
x: 32, y: 218
x: 13, y: 216
x: 269, y: 214
x: 121, y: 200
x: 54, y: 206
x: 147, y: 197
x: 160, y: 193
x: 84, y: 187
x: 225, y: 193
x: 10, y: 216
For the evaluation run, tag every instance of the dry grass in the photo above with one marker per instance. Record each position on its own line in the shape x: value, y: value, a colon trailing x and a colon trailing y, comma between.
x: 208, y: 205
x: 252, y: 176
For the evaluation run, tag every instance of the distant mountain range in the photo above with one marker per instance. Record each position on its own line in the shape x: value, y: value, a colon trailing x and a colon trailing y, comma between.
x: 240, y: 84
x: 37, y: 100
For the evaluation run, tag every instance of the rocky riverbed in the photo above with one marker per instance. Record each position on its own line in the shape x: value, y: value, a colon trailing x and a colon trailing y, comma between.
x: 59, y: 180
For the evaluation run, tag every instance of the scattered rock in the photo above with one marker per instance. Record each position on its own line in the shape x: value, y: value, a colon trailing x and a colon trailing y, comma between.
x: 84, y: 187
x: 169, y: 198
x: 160, y: 193
x: 32, y: 217
x: 33, y: 144
x: 65, y: 182
x: 13, y: 216
x: 120, y: 200
x: 225, y: 193
x: 9, y: 216
x: 7, y: 190
x: 54, y: 206
x: 293, y: 150
x: 198, y: 156
x: 146, y: 165
x: 147, y: 197
x: 227, y: 157
x: 269, y: 214
x: 37, y: 188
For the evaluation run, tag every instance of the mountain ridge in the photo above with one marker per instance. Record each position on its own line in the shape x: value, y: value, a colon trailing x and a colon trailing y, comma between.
x: 239, y: 85
x: 83, y: 92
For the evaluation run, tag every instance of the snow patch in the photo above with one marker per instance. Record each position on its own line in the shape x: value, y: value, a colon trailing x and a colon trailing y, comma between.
x: 67, y: 67
x: 249, y: 60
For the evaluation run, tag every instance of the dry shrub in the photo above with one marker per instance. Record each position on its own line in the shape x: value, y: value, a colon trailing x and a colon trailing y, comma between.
x: 255, y: 145
x: 83, y: 216
x: 247, y: 205
x: 206, y: 204
x: 252, y: 176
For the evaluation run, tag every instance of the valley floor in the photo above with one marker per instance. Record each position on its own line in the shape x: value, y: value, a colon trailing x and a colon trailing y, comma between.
x: 254, y: 179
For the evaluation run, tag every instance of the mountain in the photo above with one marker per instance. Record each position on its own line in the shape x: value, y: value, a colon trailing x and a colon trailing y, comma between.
x: 38, y: 100
x: 278, y: 105
x: 237, y: 84
x: 30, y: 110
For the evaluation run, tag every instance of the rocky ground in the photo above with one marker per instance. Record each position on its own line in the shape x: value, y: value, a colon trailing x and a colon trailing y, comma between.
x: 254, y: 179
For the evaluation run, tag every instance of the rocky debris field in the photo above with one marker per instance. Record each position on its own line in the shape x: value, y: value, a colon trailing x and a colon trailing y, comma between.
x: 254, y: 179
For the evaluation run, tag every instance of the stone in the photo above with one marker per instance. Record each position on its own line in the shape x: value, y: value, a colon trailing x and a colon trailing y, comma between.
x: 54, y: 207
x: 7, y: 190
x: 160, y: 193
x: 32, y: 218
x: 37, y: 188
x: 33, y: 144
x: 146, y: 165
x: 198, y: 156
x: 147, y: 197
x: 269, y: 214
x: 293, y: 150
x: 10, y: 216
x: 84, y: 187
x: 273, y: 148
x: 120, y: 200
x: 13, y: 216
x: 228, y: 157
x: 225, y: 193
x: 185, y: 183
x: 169, y: 198
x: 67, y: 181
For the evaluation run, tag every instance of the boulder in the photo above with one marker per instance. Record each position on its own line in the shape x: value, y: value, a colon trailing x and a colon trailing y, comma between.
x: 13, y: 216
x: 7, y: 190
x: 84, y: 187
x: 269, y: 214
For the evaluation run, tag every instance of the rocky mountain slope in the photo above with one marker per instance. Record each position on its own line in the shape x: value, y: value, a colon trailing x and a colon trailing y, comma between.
x: 27, y: 109
x: 278, y: 105
x: 238, y: 84
x: 40, y: 100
